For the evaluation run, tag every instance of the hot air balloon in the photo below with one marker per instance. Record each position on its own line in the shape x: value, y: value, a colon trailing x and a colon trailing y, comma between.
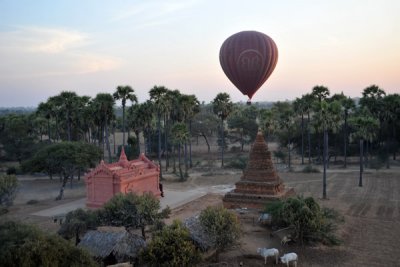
x: 248, y: 58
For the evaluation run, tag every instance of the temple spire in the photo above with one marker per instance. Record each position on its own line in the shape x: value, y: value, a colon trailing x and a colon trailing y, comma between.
x: 122, y: 157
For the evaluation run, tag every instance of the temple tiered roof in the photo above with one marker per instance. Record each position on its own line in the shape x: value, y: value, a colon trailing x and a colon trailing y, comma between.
x: 260, y: 183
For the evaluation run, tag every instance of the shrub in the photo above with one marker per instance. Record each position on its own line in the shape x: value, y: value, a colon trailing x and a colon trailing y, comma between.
x: 310, y: 169
x: 237, y: 163
x: 32, y: 202
x: 221, y: 224
x: 309, y: 221
x: 8, y: 189
x: 24, y: 245
x: 11, y: 170
x: 171, y: 246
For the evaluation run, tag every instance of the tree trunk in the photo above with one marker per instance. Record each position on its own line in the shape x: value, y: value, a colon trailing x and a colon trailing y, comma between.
x: 345, y: 140
x: 159, y: 143
x: 205, y: 139
x: 166, y: 144
x: 190, y: 144
x: 179, y: 163
x: 137, y: 133
x: 309, y: 138
x: 48, y: 130
x: 325, y: 162
x: 222, y: 142
x: 68, y: 127
x: 107, y: 143
x: 65, y: 177
x: 114, y: 139
x: 302, y: 139
x: 361, y: 161
x: 289, y: 163
x: 186, y: 162
x: 123, y: 124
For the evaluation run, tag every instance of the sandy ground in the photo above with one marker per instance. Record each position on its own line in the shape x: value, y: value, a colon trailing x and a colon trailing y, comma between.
x: 370, y: 233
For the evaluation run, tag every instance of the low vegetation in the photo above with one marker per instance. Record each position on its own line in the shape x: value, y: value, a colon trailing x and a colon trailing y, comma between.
x: 24, y: 245
x: 308, y: 221
x: 8, y: 190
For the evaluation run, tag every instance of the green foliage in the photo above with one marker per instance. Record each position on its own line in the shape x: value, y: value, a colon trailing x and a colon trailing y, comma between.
x: 8, y: 189
x: 280, y: 155
x: 171, y: 246
x: 23, y: 245
x: 11, y: 170
x: 239, y: 162
x: 309, y: 221
x: 16, y: 136
x: 310, y: 169
x: 63, y: 157
x: 77, y: 223
x: 221, y: 224
x: 132, y: 211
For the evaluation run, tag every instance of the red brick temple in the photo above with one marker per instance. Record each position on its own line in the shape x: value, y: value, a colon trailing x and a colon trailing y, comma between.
x: 260, y: 183
x: 106, y: 180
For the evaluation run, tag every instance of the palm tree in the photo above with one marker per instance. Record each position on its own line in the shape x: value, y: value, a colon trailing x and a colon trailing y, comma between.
x: 104, y: 106
x: 299, y: 106
x: 190, y: 107
x: 327, y: 117
x: 67, y: 102
x: 180, y: 135
x: 157, y: 96
x: 392, y: 116
x: 124, y: 93
x: 222, y: 107
x: 348, y: 106
x: 365, y: 128
x: 285, y: 119
x: 45, y: 109
x: 308, y: 104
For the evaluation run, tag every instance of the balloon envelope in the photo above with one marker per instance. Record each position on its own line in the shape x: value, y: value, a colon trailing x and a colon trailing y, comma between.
x: 248, y: 58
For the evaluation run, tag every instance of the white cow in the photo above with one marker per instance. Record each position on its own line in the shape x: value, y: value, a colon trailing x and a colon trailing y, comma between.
x: 287, y: 258
x: 268, y: 252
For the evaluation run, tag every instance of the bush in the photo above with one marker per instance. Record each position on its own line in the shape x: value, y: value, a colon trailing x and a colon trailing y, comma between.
x: 221, y: 224
x: 237, y: 163
x: 8, y: 189
x: 310, y: 169
x: 171, y: 246
x: 32, y: 202
x: 11, y: 170
x: 24, y: 245
x: 309, y: 221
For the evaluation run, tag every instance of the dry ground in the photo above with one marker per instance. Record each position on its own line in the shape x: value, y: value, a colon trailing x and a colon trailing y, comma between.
x: 370, y: 233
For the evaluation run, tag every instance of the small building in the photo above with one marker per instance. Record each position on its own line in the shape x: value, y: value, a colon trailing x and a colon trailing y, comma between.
x: 111, y: 245
x: 106, y: 180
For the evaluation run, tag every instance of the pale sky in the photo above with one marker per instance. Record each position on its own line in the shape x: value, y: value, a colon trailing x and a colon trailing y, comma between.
x: 92, y: 46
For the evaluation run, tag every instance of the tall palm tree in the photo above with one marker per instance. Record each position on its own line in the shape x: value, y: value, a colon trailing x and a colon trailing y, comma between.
x: 124, y: 93
x: 327, y: 117
x: 157, y: 96
x: 285, y: 119
x: 190, y: 107
x: 308, y: 104
x: 299, y: 106
x: 365, y: 130
x: 180, y: 135
x: 392, y: 117
x: 104, y: 105
x: 45, y: 109
x: 222, y: 107
x: 67, y: 102
x: 348, y: 106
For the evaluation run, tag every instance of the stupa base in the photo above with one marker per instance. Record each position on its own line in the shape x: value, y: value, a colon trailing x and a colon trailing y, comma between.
x: 233, y: 200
